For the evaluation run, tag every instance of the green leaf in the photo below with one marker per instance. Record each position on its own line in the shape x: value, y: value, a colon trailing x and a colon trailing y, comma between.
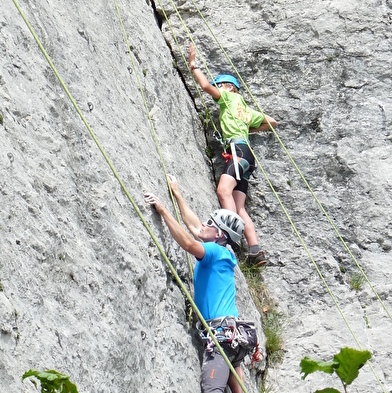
x: 309, y: 366
x: 52, y: 381
x: 350, y: 361
x: 327, y: 390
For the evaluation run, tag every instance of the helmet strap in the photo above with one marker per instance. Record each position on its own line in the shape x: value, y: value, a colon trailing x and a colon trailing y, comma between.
x: 222, y: 236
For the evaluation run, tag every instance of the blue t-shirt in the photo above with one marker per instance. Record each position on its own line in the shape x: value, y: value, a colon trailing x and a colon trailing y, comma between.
x: 214, y: 282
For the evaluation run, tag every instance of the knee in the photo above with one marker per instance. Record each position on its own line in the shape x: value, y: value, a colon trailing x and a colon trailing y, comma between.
x: 223, y: 192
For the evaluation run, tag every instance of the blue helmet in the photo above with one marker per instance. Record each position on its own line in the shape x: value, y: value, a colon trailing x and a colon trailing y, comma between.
x: 225, y: 78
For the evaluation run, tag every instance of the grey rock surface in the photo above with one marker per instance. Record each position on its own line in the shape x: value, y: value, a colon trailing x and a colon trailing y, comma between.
x: 84, y: 288
x: 322, y: 70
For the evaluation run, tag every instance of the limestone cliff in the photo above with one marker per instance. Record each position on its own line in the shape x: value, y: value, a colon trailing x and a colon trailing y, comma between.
x: 84, y: 289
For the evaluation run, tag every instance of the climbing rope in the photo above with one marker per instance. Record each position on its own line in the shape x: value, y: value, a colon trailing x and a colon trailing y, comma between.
x: 173, y: 271
x: 295, y: 166
x: 152, y: 127
x: 283, y: 146
x: 272, y: 188
x: 208, y: 117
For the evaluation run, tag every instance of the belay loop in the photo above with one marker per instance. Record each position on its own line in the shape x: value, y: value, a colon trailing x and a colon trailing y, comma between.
x: 223, y: 334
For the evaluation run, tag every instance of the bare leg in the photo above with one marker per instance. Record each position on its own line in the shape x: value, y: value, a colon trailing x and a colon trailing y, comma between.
x: 225, y: 189
x: 250, y: 231
x: 233, y: 383
x: 235, y: 201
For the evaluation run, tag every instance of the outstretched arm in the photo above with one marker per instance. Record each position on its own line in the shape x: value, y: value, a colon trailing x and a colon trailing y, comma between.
x: 190, y: 219
x: 264, y: 126
x: 180, y: 235
x: 199, y: 76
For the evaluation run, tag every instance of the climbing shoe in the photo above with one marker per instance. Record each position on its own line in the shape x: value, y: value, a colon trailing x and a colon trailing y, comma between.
x: 256, y: 259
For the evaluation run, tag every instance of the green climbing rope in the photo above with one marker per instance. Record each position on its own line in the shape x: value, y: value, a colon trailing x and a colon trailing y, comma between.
x: 152, y: 127
x: 296, y: 167
x: 276, y: 195
x: 173, y: 271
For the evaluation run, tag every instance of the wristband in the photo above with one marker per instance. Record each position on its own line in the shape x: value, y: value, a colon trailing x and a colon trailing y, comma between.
x: 193, y: 67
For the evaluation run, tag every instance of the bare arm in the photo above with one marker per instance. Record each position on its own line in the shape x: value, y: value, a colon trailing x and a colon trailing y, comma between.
x: 200, y: 77
x: 190, y: 219
x: 180, y: 235
x: 264, y: 126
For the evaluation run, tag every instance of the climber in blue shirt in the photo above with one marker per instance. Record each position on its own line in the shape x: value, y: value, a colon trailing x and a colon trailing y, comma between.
x: 214, y: 284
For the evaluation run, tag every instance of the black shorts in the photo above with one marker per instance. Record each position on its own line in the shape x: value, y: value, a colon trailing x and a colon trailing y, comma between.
x: 246, y: 166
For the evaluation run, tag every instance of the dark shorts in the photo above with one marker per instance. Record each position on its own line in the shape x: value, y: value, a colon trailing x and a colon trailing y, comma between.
x: 215, y: 371
x: 246, y: 166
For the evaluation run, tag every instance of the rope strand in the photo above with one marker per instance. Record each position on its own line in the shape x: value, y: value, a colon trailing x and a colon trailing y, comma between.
x: 152, y: 128
x: 173, y: 271
x: 296, y: 167
x: 276, y: 195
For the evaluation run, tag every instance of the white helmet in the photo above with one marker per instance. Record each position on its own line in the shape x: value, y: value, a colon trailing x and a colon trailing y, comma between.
x: 229, y: 222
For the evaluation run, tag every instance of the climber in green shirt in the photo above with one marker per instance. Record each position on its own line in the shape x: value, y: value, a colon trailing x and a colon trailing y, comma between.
x: 237, y: 120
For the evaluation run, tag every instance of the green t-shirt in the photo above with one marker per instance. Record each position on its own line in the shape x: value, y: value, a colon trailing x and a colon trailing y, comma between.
x: 235, y: 116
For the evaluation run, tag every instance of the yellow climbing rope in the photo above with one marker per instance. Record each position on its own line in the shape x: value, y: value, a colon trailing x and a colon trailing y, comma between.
x: 295, y: 166
x: 152, y: 127
x: 272, y: 188
x: 173, y: 271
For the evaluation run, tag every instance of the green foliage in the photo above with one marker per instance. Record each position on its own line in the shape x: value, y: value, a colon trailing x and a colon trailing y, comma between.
x: 51, y: 381
x: 350, y: 361
x: 209, y: 152
x: 346, y: 364
x: 356, y: 281
x: 273, y: 331
x: 272, y: 320
x: 309, y: 366
x: 1, y: 119
x: 266, y: 389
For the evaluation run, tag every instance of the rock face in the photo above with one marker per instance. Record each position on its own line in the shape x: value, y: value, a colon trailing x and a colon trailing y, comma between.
x: 84, y: 289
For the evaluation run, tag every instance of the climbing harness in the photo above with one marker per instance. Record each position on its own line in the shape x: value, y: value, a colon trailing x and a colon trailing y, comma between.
x: 164, y: 256
x: 233, y: 155
x: 231, y: 331
x: 302, y: 177
x: 235, y: 161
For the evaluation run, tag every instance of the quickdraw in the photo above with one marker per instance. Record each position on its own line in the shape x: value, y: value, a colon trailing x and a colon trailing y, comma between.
x: 256, y: 357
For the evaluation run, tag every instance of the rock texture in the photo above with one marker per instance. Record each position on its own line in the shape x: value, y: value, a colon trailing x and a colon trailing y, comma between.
x: 84, y: 288
x: 322, y: 69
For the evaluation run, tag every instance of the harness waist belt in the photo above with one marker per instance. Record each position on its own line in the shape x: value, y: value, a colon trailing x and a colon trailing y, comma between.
x: 229, y: 320
x: 239, y: 141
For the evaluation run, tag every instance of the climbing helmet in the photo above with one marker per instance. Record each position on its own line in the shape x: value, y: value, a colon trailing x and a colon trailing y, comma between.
x: 226, y: 78
x: 229, y: 222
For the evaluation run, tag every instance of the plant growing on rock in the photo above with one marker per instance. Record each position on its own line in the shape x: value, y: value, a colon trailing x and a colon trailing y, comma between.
x: 51, y: 381
x: 271, y: 318
x: 356, y: 281
x: 345, y: 364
